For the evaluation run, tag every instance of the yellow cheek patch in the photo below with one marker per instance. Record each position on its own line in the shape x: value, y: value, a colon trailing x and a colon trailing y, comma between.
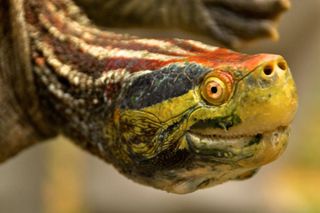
x: 153, y: 129
x: 174, y: 107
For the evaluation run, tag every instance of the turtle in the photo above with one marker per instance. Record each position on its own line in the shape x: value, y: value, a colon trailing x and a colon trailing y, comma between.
x: 175, y: 114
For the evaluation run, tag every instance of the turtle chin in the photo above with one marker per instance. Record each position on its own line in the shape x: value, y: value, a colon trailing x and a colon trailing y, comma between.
x: 208, y: 159
x: 247, y: 151
x: 219, y: 158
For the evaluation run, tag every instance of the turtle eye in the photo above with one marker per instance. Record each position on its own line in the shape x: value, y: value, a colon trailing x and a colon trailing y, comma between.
x: 215, y: 91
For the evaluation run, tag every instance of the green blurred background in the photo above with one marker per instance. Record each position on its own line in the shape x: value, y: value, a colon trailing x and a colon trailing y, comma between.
x: 58, y: 177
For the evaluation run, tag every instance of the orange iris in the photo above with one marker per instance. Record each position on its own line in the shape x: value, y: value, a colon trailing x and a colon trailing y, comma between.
x: 217, y: 88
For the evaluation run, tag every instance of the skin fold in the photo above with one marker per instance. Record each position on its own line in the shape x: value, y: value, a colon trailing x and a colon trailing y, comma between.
x: 174, y: 114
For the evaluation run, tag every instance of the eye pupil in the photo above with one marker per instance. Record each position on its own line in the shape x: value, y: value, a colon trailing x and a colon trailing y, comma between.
x: 214, y: 90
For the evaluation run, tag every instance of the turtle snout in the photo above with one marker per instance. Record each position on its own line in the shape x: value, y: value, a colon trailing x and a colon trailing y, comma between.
x: 274, y: 67
x: 277, y: 67
x: 271, y: 74
x: 268, y: 96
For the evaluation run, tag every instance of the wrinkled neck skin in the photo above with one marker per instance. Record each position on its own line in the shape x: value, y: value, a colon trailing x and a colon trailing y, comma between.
x: 174, y: 114
x: 21, y: 121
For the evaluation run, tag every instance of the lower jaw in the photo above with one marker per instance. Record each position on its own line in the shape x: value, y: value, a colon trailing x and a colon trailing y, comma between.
x: 210, y: 169
x: 248, y: 151
x: 270, y: 148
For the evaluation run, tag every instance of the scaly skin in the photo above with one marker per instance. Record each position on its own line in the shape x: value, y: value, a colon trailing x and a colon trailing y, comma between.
x: 174, y: 114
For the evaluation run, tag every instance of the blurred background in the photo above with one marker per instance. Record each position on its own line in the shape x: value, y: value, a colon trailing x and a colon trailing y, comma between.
x: 57, y: 176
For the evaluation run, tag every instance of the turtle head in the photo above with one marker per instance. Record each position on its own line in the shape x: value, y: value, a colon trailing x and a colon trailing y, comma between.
x: 202, y: 122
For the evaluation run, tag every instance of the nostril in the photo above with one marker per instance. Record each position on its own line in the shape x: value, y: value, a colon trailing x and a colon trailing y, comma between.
x: 268, y: 70
x: 282, y: 65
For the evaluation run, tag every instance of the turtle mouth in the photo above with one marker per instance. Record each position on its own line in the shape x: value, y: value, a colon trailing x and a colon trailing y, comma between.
x: 234, y: 147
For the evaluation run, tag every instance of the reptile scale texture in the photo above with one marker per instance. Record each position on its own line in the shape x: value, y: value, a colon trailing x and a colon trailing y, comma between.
x: 174, y: 114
